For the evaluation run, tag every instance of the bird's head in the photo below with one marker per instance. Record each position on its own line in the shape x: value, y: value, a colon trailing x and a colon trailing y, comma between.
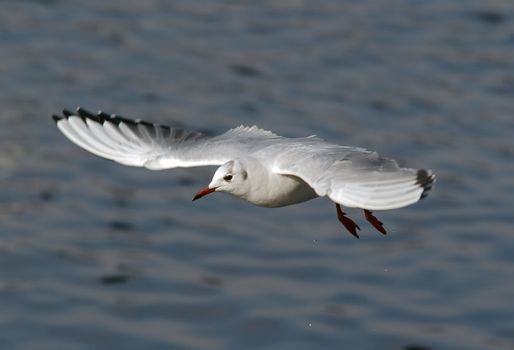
x: 231, y: 177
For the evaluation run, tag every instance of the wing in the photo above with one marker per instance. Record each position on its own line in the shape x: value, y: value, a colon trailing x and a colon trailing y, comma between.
x: 143, y: 144
x: 354, y: 177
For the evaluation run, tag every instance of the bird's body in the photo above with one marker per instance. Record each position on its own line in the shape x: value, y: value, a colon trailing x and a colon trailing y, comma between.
x: 271, y: 190
x: 256, y: 165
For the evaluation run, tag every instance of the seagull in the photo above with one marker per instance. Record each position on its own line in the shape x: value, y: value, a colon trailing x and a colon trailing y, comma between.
x: 256, y: 165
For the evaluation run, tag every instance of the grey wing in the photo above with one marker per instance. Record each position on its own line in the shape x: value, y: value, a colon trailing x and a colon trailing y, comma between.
x: 143, y: 144
x: 354, y: 177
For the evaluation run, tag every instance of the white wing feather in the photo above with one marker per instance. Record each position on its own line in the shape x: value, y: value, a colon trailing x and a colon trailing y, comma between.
x: 142, y: 144
x: 354, y: 177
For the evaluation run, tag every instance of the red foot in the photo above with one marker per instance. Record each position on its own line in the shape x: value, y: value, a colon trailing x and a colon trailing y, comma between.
x: 350, y: 225
x: 374, y: 221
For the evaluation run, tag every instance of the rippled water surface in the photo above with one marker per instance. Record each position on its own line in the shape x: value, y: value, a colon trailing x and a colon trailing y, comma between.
x: 94, y: 255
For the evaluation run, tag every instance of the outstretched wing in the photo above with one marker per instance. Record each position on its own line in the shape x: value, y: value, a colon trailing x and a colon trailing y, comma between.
x: 143, y: 144
x: 354, y: 177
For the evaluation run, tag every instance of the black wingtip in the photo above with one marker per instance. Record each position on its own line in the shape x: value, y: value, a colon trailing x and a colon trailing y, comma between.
x: 67, y: 113
x: 85, y: 114
x: 102, y: 117
x: 56, y: 117
x: 425, y: 179
x: 119, y: 119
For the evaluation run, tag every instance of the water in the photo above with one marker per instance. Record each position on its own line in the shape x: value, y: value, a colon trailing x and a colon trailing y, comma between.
x: 94, y: 255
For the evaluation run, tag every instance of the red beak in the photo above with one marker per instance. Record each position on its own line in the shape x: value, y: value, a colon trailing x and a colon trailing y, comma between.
x: 203, y: 192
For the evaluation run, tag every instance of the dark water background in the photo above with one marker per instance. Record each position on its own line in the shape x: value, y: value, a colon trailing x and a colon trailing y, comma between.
x: 94, y: 255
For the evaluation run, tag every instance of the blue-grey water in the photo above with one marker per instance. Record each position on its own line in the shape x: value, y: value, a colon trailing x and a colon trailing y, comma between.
x: 94, y: 255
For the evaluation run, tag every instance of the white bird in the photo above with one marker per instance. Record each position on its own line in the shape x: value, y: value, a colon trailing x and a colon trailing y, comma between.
x: 257, y: 165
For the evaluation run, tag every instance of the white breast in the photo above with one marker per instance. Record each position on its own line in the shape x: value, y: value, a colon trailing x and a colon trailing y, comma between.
x: 279, y: 191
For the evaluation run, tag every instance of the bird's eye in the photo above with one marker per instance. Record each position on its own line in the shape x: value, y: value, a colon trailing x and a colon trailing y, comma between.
x: 227, y: 177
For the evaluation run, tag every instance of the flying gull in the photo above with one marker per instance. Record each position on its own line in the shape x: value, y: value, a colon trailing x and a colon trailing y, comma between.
x: 256, y: 165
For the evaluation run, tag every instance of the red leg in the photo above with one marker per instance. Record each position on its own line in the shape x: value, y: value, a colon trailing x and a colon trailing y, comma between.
x: 374, y: 221
x: 350, y: 225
